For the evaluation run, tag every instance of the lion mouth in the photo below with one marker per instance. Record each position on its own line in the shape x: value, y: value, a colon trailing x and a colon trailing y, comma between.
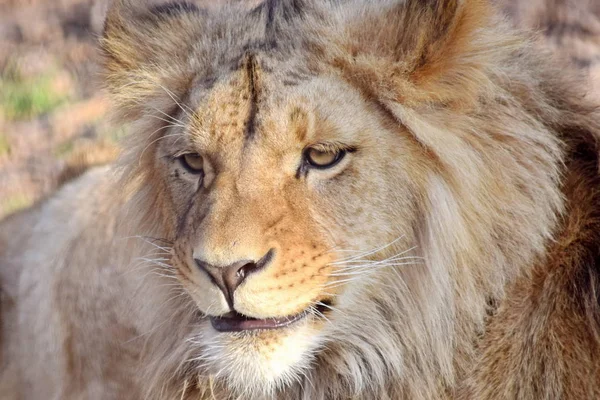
x: 236, y: 322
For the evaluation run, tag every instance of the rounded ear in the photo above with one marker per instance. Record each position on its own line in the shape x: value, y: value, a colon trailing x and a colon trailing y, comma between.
x: 428, y: 48
x: 146, y: 45
x: 131, y: 8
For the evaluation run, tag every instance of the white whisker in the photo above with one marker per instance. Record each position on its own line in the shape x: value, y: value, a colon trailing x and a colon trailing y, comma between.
x: 370, y: 268
x: 172, y: 96
x: 376, y: 250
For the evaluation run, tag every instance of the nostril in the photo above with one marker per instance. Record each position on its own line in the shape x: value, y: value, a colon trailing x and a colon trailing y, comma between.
x: 229, y: 277
x: 201, y: 264
x: 245, y: 270
x: 210, y: 270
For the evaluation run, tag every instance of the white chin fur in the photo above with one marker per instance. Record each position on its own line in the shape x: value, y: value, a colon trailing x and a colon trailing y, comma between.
x: 257, y: 363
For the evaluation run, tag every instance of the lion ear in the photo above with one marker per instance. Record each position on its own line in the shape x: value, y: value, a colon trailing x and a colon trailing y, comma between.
x: 146, y: 44
x: 427, y: 47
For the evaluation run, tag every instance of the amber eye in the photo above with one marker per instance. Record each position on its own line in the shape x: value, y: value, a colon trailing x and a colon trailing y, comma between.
x: 323, y: 158
x: 193, y: 162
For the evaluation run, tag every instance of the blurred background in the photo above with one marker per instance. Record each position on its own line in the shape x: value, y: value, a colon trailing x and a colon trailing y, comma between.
x: 53, y: 112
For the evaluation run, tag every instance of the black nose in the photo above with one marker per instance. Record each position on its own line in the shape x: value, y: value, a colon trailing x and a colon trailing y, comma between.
x: 228, y: 278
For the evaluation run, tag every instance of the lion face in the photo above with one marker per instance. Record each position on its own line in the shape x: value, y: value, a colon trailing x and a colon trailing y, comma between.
x: 346, y: 186
x: 276, y: 192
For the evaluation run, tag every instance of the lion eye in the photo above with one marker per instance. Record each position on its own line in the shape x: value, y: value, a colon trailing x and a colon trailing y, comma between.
x: 323, y: 158
x: 193, y: 162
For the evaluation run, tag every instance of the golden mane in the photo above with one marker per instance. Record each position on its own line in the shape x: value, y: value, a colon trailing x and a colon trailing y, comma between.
x: 463, y: 181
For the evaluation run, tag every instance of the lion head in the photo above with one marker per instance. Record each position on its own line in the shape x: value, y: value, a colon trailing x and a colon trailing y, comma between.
x: 346, y: 188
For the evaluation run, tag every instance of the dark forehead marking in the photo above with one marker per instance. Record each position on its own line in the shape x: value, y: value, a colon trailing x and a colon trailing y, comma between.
x: 282, y: 12
x: 251, y: 70
x: 253, y: 48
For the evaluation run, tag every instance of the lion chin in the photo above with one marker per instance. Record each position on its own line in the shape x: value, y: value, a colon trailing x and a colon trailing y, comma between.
x: 317, y: 200
x: 261, y: 361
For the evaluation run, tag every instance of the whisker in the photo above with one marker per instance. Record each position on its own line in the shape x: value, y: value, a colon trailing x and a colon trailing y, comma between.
x: 338, y: 282
x: 154, y: 141
x: 147, y: 239
x: 343, y: 261
x: 330, y: 294
x: 313, y: 310
x: 362, y: 262
x: 172, y: 96
x: 147, y: 106
x: 320, y: 303
x: 143, y: 265
x: 373, y: 251
x: 368, y: 269
x: 376, y: 264
x: 172, y: 122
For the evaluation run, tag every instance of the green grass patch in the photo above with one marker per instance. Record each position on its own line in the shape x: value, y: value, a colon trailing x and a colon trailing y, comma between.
x: 25, y: 98
x: 63, y: 150
x: 15, y: 203
x: 4, y: 145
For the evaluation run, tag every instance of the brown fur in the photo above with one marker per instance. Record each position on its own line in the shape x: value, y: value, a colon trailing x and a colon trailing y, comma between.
x: 548, y: 329
x: 457, y: 242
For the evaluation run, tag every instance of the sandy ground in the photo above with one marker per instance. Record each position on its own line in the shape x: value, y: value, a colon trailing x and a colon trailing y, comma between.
x: 52, y: 108
x: 53, y: 111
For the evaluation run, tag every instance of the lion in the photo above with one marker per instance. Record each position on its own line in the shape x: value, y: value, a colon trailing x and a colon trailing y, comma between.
x: 319, y: 200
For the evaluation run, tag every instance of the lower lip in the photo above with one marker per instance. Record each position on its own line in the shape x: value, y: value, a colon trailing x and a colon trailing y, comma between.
x: 234, y: 322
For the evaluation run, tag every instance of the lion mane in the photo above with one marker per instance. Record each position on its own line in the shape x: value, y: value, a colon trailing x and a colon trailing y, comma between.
x: 443, y: 243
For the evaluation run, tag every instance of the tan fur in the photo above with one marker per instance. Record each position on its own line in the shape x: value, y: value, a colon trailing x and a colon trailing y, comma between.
x: 571, y: 28
x: 457, y: 242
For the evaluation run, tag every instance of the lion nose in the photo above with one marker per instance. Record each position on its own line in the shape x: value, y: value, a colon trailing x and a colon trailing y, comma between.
x: 228, y: 278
